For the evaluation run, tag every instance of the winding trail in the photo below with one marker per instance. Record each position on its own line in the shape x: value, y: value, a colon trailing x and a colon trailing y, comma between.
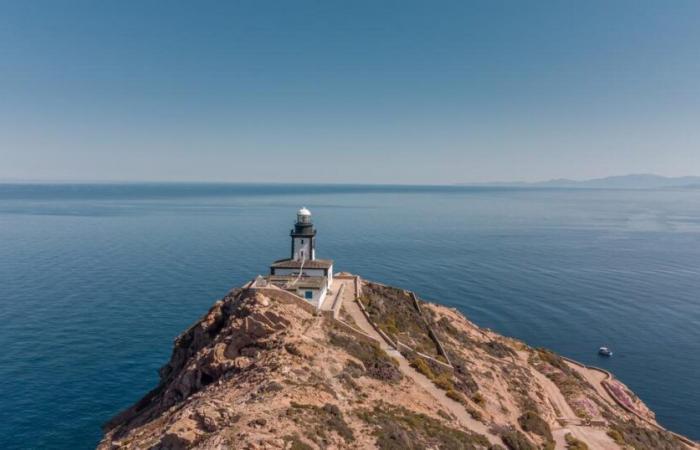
x: 597, y: 376
x: 454, y: 407
x: 568, y: 422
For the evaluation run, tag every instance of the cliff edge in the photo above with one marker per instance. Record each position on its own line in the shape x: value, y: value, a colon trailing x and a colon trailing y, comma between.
x: 378, y: 369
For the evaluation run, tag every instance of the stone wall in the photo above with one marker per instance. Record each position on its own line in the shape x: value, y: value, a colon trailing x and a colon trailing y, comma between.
x: 431, y: 332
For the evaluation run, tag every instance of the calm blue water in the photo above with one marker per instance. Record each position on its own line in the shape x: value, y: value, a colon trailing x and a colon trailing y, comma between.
x: 97, y: 280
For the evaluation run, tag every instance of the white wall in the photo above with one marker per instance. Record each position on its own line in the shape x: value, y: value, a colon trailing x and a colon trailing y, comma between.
x: 306, y: 247
x: 318, y: 298
x: 305, y: 272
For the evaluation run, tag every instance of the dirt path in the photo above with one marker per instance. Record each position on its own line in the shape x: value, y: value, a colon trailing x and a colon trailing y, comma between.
x: 454, y: 407
x: 556, y: 398
x: 568, y: 422
x: 595, y: 378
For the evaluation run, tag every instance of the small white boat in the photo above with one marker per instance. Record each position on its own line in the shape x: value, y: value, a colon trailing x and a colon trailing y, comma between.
x: 605, y: 351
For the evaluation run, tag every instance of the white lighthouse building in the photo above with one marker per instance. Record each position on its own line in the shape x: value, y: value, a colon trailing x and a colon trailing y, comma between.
x: 302, y: 273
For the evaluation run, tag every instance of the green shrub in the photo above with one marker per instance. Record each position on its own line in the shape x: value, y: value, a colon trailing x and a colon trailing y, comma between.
x: 444, y: 415
x: 401, y: 429
x: 474, y: 413
x: 478, y: 399
x: 463, y: 379
x: 456, y: 396
x: 641, y: 438
x: 515, y: 440
x: 377, y: 363
x: 574, y: 444
x: 421, y: 366
x: 497, y: 349
x: 533, y: 423
x: 390, y: 327
x: 617, y: 437
x: 318, y: 420
x: 444, y: 382
x: 552, y: 359
x: 296, y: 443
x: 393, y: 310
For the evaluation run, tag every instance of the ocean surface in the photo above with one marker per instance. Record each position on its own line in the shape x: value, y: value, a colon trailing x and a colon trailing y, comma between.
x: 97, y: 280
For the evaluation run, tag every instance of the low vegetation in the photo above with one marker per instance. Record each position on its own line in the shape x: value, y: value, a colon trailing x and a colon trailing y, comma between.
x: 574, y: 444
x: 632, y: 435
x: 393, y: 311
x: 350, y: 373
x: 441, y: 377
x: 516, y: 440
x: 458, y: 397
x: 346, y: 391
x: 319, y: 421
x: 497, y: 349
x: 397, y: 428
x: 571, y: 384
x: 376, y: 362
x: 295, y: 443
x: 617, y: 437
x: 494, y: 348
x: 464, y: 380
x: 531, y: 422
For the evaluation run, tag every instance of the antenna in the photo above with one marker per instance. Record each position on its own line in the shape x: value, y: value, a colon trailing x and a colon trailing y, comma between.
x: 301, y: 270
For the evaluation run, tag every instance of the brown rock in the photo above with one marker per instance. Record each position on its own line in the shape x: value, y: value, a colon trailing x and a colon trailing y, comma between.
x: 261, y: 372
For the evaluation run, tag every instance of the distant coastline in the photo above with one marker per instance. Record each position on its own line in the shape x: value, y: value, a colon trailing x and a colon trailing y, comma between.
x: 632, y: 181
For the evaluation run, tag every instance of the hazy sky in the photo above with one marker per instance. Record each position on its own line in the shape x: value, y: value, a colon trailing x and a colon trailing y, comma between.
x: 324, y: 91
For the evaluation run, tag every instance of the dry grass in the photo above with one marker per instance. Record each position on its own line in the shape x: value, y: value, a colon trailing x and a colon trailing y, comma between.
x: 318, y: 421
x: 632, y: 435
x: 393, y: 311
x: 531, y: 422
x: 574, y: 444
x: 376, y: 362
x: 397, y: 428
x: 516, y: 440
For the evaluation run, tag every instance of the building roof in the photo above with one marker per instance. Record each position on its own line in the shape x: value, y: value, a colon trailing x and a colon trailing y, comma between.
x: 312, y: 264
x: 310, y: 283
x: 303, y: 282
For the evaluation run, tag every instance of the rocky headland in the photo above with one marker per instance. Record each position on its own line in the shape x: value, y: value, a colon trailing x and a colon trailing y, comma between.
x: 379, y: 369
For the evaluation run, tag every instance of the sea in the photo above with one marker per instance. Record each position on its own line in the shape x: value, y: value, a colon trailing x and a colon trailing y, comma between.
x: 96, y: 280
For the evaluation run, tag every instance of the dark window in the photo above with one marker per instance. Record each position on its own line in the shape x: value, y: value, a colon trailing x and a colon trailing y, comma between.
x: 302, y: 241
x: 308, y: 295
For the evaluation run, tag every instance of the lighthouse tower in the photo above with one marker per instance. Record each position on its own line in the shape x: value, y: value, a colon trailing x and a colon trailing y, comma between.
x: 302, y: 273
x: 303, y: 237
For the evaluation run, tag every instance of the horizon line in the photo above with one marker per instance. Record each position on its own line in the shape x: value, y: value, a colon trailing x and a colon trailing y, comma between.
x: 321, y: 183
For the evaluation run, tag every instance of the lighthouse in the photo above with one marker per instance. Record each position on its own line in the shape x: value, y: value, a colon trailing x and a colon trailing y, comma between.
x: 302, y: 273
x: 303, y: 237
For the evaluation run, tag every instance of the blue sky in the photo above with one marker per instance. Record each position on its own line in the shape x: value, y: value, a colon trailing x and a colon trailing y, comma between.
x: 324, y: 91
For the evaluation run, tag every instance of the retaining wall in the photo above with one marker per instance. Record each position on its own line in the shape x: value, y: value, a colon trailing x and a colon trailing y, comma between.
x: 354, y: 331
x: 399, y: 345
x: 424, y: 356
x: 338, y: 302
x: 431, y: 333
x: 286, y: 297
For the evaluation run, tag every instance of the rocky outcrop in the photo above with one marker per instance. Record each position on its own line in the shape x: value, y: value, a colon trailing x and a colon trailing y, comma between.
x: 258, y: 371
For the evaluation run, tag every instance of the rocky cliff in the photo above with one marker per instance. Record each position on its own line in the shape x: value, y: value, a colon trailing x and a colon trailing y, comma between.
x: 385, y: 370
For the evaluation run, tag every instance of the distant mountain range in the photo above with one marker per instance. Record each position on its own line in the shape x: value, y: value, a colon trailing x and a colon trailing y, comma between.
x: 633, y: 181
